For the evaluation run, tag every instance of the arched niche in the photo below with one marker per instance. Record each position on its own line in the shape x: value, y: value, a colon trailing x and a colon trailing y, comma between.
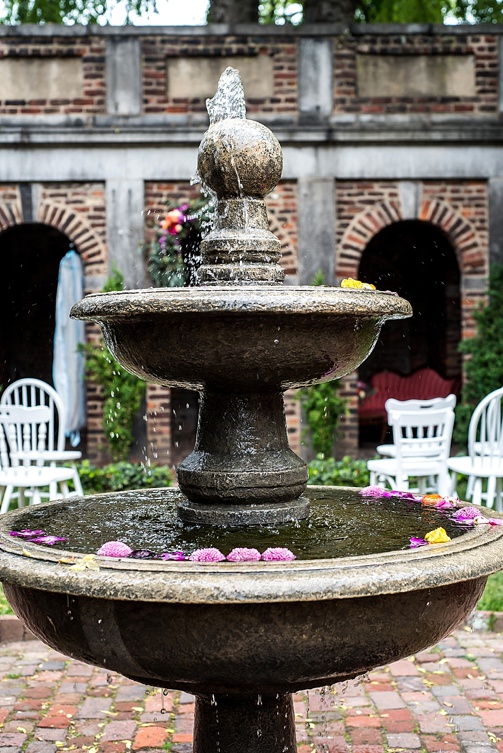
x: 30, y: 255
x: 417, y: 260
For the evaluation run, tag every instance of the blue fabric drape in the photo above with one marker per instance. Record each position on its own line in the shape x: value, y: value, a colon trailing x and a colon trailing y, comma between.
x: 68, y: 363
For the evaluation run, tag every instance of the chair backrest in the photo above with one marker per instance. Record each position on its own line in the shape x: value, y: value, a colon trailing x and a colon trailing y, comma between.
x: 408, y: 405
x: 23, y: 430
x: 485, y: 433
x: 33, y: 392
x: 422, y: 433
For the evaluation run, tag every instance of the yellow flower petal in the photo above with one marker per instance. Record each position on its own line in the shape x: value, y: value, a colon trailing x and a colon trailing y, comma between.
x: 349, y: 282
x: 438, y: 536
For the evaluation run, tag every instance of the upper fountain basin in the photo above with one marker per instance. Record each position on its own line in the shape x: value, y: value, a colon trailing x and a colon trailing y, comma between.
x: 230, y: 338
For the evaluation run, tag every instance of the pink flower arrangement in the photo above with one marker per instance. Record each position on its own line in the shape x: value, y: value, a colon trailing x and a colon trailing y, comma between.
x: 243, y: 554
x: 114, y: 549
x: 207, y: 555
x: 278, y: 554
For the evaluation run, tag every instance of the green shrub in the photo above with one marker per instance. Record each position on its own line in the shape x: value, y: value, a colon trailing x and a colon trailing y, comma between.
x: 322, y: 407
x: 484, y: 368
x: 345, y: 472
x: 122, y: 476
x: 123, y: 392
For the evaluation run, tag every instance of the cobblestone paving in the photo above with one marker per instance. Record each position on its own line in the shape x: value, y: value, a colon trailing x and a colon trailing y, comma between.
x: 448, y: 698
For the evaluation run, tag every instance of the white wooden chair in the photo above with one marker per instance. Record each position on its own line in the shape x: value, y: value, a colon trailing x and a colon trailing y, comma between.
x: 23, y: 440
x: 422, y: 441
x: 389, y: 450
x: 484, y: 463
x: 33, y: 392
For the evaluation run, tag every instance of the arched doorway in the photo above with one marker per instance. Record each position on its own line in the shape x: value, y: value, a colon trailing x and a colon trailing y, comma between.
x: 416, y: 260
x: 30, y: 255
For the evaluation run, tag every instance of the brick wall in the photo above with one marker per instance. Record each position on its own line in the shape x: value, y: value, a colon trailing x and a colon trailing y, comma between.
x: 90, y: 50
x: 156, y: 50
x: 484, y: 48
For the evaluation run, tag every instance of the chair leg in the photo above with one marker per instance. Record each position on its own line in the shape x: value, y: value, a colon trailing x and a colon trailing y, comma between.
x: 477, y: 491
x: 64, y: 489
x: 77, y: 482
x: 491, y: 491
x: 36, y: 499
x: 7, y: 496
x: 21, y: 500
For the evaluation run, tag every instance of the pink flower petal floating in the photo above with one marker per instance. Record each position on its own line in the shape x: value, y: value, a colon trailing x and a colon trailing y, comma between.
x: 179, y: 556
x: 482, y: 520
x: 278, y: 554
x: 27, y: 533
x: 207, y: 555
x: 114, y: 549
x: 466, y: 515
x: 48, y: 540
x: 405, y: 495
x: 446, y: 503
x: 374, y: 491
x: 243, y: 554
x: 415, y: 542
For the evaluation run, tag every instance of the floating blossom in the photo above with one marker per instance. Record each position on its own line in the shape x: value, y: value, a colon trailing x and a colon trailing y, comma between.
x: 374, y: 491
x: 349, y: 282
x: 207, y: 555
x: 278, y: 554
x: 114, y: 549
x: 437, y: 536
x: 482, y: 520
x: 27, y: 533
x: 404, y: 495
x: 243, y: 554
x: 466, y: 515
x: 172, y: 556
x: 446, y: 503
x: 415, y: 542
x: 431, y: 500
x: 86, y: 563
x: 143, y: 554
x: 47, y: 540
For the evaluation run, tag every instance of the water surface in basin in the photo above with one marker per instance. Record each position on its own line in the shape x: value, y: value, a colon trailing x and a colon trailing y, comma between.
x: 342, y: 523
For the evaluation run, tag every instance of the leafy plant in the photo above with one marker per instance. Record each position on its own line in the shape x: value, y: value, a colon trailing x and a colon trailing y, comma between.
x: 173, y: 256
x: 484, y: 368
x: 323, y: 407
x: 121, y: 476
x: 331, y: 472
x: 123, y: 392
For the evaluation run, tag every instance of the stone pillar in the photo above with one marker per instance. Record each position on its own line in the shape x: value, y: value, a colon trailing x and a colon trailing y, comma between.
x: 123, y: 75
x: 125, y: 230
x: 315, y: 79
x: 316, y: 212
x: 495, y: 221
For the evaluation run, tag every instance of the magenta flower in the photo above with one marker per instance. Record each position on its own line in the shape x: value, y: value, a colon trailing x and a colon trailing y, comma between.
x: 374, y: 491
x: 207, y: 555
x: 48, y: 540
x: 481, y: 520
x: 278, y: 554
x: 405, y: 495
x: 445, y: 504
x: 114, y: 549
x: 415, y: 542
x: 242, y: 554
x: 172, y: 556
x: 26, y: 533
x: 466, y: 515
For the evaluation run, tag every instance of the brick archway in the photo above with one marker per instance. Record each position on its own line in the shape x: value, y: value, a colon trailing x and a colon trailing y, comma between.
x: 367, y: 223
x: 78, y: 231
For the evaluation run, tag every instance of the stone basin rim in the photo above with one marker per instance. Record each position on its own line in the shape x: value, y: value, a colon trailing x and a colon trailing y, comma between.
x: 477, y: 553
x: 259, y: 299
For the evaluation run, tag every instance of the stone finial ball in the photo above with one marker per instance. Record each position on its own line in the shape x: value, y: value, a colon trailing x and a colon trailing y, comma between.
x: 240, y: 157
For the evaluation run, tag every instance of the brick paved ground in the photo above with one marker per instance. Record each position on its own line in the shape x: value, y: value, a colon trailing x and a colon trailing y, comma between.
x: 449, y: 698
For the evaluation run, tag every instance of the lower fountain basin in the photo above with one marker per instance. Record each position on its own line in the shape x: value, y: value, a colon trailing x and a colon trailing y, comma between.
x: 256, y: 627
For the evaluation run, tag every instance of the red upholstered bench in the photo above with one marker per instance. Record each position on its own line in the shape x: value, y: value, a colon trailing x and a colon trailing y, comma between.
x: 422, y: 385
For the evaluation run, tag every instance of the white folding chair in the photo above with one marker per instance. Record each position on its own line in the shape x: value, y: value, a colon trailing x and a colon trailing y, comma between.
x: 484, y: 462
x: 33, y: 392
x: 23, y: 438
x: 389, y: 450
x: 422, y: 440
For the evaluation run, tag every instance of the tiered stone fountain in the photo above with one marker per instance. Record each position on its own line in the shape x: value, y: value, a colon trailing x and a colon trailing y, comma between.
x: 240, y: 636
